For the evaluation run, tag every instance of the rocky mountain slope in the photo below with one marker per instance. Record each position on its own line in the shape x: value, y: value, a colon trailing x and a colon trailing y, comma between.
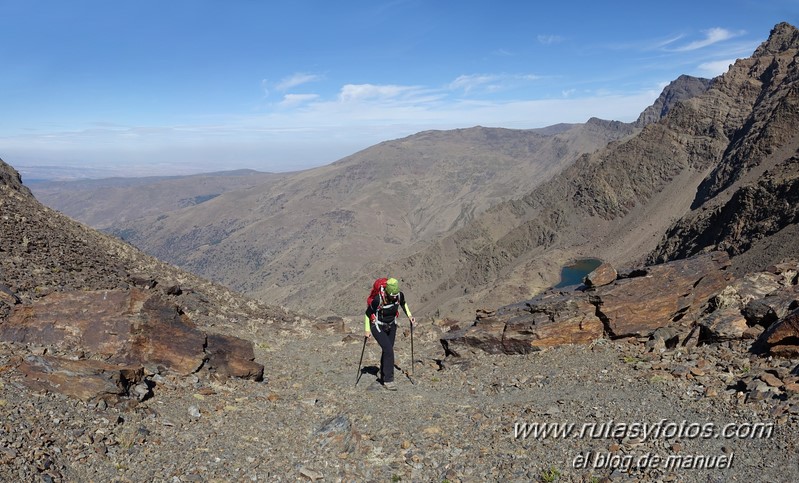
x: 750, y: 198
x: 617, y: 203
x: 456, y: 418
x: 294, y: 233
x: 43, y: 252
x: 101, y: 203
x: 291, y: 240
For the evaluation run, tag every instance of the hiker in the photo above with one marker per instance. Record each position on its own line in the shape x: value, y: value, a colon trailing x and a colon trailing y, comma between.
x: 380, y: 320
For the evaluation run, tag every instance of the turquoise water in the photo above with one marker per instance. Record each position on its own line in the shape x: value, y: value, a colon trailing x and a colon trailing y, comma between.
x: 573, y: 273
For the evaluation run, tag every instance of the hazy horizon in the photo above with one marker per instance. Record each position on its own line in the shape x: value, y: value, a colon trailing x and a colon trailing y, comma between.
x: 154, y: 88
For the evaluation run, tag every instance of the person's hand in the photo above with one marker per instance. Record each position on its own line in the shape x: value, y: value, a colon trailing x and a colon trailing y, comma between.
x: 367, y: 334
x: 413, y: 320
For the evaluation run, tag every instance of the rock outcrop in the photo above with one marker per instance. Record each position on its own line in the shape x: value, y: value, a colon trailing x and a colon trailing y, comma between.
x: 661, y: 295
x: 680, y: 303
x: 758, y: 174
x: 655, y: 297
x: 549, y: 320
x: 117, y: 333
x: 94, y: 318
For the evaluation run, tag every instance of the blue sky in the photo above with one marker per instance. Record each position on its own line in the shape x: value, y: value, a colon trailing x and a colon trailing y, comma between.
x: 172, y: 87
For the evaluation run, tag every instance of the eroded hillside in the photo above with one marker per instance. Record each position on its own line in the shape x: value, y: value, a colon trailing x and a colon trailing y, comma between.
x: 617, y: 203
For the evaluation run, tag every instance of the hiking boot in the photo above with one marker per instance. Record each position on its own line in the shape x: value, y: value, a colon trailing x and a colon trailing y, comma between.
x: 391, y: 385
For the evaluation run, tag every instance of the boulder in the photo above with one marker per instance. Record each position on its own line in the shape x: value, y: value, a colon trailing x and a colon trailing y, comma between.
x: 774, y: 306
x: 663, y: 338
x: 124, y: 328
x: 782, y: 338
x: 661, y: 295
x: 234, y: 357
x: 724, y: 324
x: 87, y: 380
x: 604, y: 274
x: 549, y: 320
x: 727, y: 318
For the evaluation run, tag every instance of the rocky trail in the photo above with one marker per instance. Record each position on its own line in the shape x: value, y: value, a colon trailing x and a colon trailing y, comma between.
x: 461, y: 421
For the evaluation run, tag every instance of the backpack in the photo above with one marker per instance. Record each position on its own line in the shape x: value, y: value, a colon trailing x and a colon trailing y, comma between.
x: 378, y: 288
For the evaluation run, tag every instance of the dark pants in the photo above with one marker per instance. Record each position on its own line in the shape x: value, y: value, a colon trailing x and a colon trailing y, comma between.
x: 386, y: 340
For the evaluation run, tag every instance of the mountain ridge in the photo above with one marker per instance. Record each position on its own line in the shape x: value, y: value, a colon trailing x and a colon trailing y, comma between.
x: 334, y: 202
x: 320, y: 225
x: 594, y: 207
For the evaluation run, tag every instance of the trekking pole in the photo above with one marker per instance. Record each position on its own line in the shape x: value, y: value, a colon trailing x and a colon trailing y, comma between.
x: 412, y: 360
x: 360, y: 362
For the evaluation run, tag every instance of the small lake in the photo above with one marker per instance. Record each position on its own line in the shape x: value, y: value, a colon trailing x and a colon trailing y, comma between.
x: 573, y: 273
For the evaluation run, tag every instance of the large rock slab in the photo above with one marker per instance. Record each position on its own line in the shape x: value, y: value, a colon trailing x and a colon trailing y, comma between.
x: 549, y: 320
x: 234, y: 357
x: 661, y: 295
x: 782, y: 338
x: 87, y: 380
x: 123, y: 326
x: 127, y: 329
x: 163, y: 336
x: 602, y: 275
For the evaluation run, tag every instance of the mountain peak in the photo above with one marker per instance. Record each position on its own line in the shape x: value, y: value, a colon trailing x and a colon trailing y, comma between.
x: 783, y: 37
x: 681, y: 88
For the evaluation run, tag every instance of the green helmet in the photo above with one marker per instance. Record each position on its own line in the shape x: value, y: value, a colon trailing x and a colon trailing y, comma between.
x: 392, y: 286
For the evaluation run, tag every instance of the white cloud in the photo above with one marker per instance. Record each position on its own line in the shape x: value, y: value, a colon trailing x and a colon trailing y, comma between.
x: 305, y: 130
x: 467, y: 83
x: 663, y: 43
x: 363, y: 92
x: 293, y: 100
x: 296, y: 80
x: 489, y: 82
x: 715, y: 68
x: 712, y: 36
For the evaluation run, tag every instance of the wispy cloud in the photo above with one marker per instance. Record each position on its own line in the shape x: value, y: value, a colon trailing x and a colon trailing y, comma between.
x: 661, y: 44
x: 489, y: 82
x: 549, y: 39
x: 295, y: 80
x: 467, y: 83
x: 293, y: 100
x: 372, y: 92
x: 322, y: 131
x: 715, y: 68
x: 712, y: 36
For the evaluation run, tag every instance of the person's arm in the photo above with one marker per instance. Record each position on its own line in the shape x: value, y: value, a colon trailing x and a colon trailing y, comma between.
x: 368, y: 316
x: 406, y: 309
x: 367, y: 332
